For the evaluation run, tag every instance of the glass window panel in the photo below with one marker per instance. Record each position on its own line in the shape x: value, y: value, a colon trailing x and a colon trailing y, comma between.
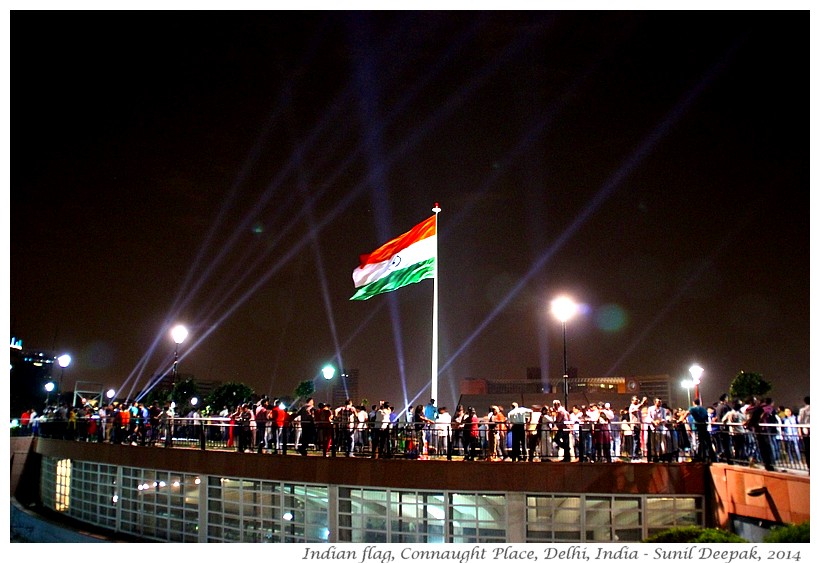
x: 567, y: 536
x: 627, y: 519
x: 565, y: 517
x: 661, y: 520
x: 687, y: 519
x: 539, y: 536
x: 596, y: 534
x: 369, y: 494
x: 660, y: 503
x: 598, y: 503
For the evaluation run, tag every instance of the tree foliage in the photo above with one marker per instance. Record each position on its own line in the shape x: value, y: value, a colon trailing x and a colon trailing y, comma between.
x: 182, y: 393
x: 304, y: 390
x: 694, y: 534
x: 749, y: 384
x: 156, y: 395
x: 228, y: 395
x: 792, y: 533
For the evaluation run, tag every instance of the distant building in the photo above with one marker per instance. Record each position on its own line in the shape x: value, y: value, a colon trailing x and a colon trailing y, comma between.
x: 29, y: 373
x: 207, y: 386
x: 652, y: 386
x: 581, y: 390
x: 345, y: 386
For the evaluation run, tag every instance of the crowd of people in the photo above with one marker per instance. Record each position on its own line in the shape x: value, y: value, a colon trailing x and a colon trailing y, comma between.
x: 754, y: 431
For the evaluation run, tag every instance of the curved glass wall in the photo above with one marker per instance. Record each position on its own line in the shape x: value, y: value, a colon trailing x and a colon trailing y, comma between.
x: 183, y: 507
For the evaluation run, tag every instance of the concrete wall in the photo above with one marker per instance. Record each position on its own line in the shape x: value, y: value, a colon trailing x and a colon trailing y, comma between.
x: 631, y: 478
x: 776, y: 497
x: 30, y: 527
x: 24, y: 478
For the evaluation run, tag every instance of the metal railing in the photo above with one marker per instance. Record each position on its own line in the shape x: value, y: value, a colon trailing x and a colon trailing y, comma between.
x: 730, y: 443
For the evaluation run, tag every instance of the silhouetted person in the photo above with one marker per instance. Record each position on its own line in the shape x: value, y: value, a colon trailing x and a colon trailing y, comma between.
x: 803, y: 417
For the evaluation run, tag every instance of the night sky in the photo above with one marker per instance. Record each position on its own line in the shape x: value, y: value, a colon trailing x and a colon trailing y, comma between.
x: 225, y: 170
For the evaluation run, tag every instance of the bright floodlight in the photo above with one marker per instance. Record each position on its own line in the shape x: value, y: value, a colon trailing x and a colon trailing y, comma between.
x: 696, y: 372
x: 328, y: 372
x: 194, y: 401
x: 110, y: 393
x: 64, y: 360
x: 563, y: 308
x: 686, y: 384
x: 49, y: 387
x: 179, y: 334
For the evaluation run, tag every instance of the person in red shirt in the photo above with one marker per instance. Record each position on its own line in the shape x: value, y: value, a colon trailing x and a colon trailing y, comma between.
x: 324, y: 429
x: 471, y: 434
x: 123, y: 421
x: 278, y: 417
x: 25, y: 420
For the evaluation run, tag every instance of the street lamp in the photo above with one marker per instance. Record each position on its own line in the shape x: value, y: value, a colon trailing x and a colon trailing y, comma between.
x: 63, y: 361
x: 49, y: 387
x: 179, y: 334
x: 328, y: 372
x: 564, y: 308
x: 687, y: 384
x: 696, y: 372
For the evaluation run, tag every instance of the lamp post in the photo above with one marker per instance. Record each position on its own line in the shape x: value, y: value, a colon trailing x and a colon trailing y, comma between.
x: 179, y: 334
x: 328, y: 372
x: 564, y: 308
x: 63, y: 361
x: 687, y: 384
x: 696, y: 372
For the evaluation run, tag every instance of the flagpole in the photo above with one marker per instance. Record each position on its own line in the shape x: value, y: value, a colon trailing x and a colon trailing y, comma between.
x: 434, y: 379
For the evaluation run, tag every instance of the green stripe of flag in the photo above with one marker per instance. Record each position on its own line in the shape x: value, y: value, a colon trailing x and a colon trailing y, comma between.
x: 405, y: 276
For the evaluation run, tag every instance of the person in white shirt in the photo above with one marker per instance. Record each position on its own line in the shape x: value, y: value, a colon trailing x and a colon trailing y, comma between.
x: 614, y: 428
x: 360, y: 435
x: 443, y: 421
x: 381, y: 429
x: 563, y: 431
x: 638, y: 430
x: 518, y: 417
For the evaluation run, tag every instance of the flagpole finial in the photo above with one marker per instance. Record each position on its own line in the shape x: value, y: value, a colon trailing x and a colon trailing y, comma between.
x: 436, y: 208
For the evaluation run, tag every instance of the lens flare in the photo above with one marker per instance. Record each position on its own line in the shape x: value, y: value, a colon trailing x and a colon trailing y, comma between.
x: 611, y: 318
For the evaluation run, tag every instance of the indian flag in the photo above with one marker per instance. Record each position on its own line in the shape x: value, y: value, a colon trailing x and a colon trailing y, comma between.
x: 406, y: 259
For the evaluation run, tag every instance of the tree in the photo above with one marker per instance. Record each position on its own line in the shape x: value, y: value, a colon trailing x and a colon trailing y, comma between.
x: 304, y: 390
x: 155, y: 395
x: 228, y: 395
x: 749, y: 384
x: 694, y: 534
x: 181, y: 395
x: 790, y: 533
